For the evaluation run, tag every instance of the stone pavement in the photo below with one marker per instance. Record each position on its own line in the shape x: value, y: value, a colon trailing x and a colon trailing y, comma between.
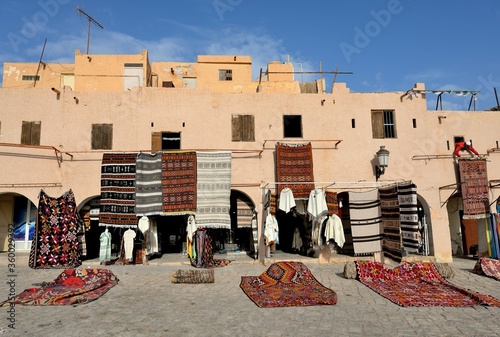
x: 146, y: 303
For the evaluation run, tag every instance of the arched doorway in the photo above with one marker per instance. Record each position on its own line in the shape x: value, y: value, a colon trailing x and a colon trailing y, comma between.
x: 18, y: 213
x: 89, y: 213
x: 463, y: 232
x: 243, y: 216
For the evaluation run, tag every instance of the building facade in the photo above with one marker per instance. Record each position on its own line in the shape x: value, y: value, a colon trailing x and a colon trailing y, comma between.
x: 57, y: 120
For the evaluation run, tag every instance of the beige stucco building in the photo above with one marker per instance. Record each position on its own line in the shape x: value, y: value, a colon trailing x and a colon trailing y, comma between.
x: 58, y: 119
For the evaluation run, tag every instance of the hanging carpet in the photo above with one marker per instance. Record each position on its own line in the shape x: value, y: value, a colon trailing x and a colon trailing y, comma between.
x: 55, y: 243
x: 148, y: 192
x: 287, y: 284
x: 294, y: 165
x: 179, y: 182
x: 72, y: 286
x: 474, y: 187
x: 417, y: 285
x: 332, y: 202
x: 366, y: 222
x: 118, y: 190
x: 408, y: 215
x: 389, y: 207
x: 487, y: 266
x: 213, y: 189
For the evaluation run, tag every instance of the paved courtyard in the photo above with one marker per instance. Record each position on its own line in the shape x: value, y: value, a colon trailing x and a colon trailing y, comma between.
x: 146, y: 303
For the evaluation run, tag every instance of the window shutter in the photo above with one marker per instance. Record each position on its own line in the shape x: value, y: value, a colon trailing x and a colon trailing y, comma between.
x: 236, y: 128
x: 377, y: 124
x: 248, y: 128
x: 36, y: 129
x: 102, y: 136
x: 26, y: 133
x: 155, y: 141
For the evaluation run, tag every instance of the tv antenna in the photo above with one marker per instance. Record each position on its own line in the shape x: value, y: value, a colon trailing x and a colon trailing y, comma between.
x: 91, y: 19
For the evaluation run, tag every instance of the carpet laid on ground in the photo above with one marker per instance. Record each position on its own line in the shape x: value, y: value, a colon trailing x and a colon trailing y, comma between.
x: 287, y: 284
x: 418, y: 284
x: 72, y: 286
x: 489, y: 267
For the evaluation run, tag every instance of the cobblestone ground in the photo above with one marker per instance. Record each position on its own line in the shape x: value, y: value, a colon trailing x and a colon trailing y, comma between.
x: 146, y: 303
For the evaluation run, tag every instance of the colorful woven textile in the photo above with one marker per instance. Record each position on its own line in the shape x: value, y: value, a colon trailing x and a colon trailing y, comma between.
x: 488, y: 267
x: 287, y: 284
x: 332, y: 202
x: 72, y: 286
x: 179, y: 182
x: 118, y: 190
x: 203, y: 255
x: 294, y: 165
x: 416, y: 285
x: 389, y: 206
x: 55, y: 244
x: 213, y: 189
x: 474, y: 183
x: 148, y: 192
x: 366, y: 222
x: 408, y: 214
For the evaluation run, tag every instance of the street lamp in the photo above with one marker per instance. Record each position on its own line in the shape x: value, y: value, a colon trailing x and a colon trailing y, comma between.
x: 383, y: 161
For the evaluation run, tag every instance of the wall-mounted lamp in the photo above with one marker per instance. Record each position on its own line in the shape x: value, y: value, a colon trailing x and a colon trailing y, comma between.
x: 56, y: 91
x: 76, y: 99
x: 322, y: 102
x: 89, y: 58
x: 383, y: 161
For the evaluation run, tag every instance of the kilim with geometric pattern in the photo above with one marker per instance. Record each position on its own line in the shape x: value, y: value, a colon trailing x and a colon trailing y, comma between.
x: 287, y: 284
x: 178, y: 170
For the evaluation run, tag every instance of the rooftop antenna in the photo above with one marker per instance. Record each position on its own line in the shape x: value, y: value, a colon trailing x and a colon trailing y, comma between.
x: 91, y: 19
x: 40, y: 62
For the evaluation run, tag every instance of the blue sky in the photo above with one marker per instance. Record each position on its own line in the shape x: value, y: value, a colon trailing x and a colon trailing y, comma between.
x: 388, y: 44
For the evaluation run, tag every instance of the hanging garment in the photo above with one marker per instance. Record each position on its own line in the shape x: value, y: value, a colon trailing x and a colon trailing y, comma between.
x: 204, y: 251
x: 297, y: 240
x: 105, y: 247
x: 128, y: 240
x: 55, y: 241
x: 153, y: 237
x: 287, y: 201
x: 334, y: 230
x: 316, y: 205
x: 271, y: 230
x: 190, y: 229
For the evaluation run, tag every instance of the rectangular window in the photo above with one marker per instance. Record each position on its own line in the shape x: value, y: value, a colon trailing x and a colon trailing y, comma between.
x: 243, y: 128
x: 102, y: 136
x: 292, y: 126
x: 383, y: 124
x: 165, y: 141
x: 225, y: 74
x: 168, y: 84
x: 30, y: 133
x: 31, y: 77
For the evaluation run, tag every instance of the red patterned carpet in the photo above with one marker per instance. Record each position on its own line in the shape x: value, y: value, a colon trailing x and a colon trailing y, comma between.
x: 488, y: 267
x: 72, y: 286
x: 287, y: 284
x: 418, y: 284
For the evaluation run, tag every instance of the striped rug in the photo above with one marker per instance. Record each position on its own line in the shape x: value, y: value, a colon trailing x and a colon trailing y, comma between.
x: 389, y: 206
x: 407, y: 198
x: 148, y: 195
x: 178, y: 179
x: 118, y: 190
x: 213, y: 189
x: 366, y: 222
